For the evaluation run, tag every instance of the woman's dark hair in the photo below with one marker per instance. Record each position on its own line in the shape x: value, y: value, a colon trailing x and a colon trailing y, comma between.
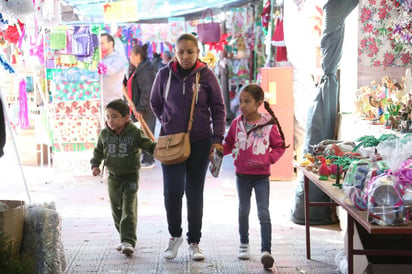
x: 120, y: 106
x: 108, y: 37
x: 141, y: 50
x: 188, y: 37
x: 257, y: 93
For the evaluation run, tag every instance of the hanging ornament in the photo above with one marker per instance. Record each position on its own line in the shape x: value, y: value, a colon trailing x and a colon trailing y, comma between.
x: 6, y: 65
x: 210, y: 59
x: 265, y: 15
x: 13, y: 9
x: 23, y: 113
x: 13, y: 32
x: 220, y: 45
x: 299, y: 3
x: 48, y: 12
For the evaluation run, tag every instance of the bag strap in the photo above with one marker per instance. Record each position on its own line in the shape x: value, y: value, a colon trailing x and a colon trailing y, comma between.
x: 194, y: 100
x: 211, y: 14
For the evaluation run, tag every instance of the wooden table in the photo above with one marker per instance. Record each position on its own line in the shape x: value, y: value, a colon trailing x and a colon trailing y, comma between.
x: 354, y: 215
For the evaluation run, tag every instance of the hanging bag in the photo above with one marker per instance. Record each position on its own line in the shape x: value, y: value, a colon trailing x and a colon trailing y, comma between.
x: 208, y: 32
x: 175, y: 148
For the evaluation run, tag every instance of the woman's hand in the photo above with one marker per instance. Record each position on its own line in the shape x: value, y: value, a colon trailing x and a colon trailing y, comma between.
x: 213, y: 147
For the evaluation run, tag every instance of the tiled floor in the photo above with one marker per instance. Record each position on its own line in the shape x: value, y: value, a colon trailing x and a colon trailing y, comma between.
x: 89, y: 236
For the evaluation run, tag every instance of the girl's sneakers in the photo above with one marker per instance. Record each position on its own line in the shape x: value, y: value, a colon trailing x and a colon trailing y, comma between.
x: 243, y: 252
x: 267, y: 260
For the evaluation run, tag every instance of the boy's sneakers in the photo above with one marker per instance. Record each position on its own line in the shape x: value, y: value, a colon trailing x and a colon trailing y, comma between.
x: 266, y: 259
x: 119, y: 247
x: 243, y: 252
x: 171, y: 251
x: 195, y: 252
x: 127, y: 249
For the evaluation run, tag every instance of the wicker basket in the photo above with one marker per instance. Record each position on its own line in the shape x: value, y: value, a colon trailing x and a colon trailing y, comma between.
x: 12, y: 222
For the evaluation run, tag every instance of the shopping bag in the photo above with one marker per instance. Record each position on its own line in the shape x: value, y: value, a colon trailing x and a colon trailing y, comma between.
x: 208, y: 32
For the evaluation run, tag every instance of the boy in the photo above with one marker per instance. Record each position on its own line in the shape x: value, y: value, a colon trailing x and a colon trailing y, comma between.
x: 119, y: 146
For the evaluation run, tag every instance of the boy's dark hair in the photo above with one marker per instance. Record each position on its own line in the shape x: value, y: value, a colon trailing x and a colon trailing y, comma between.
x: 142, y: 50
x: 257, y: 93
x: 108, y: 37
x: 120, y: 106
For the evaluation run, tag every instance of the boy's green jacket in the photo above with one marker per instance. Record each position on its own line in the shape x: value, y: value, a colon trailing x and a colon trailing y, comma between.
x: 121, y: 153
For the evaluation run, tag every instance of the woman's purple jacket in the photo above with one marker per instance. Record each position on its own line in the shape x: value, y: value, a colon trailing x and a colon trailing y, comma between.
x: 173, y: 112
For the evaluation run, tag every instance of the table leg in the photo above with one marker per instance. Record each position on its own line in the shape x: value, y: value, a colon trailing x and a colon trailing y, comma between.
x: 350, y: 243
x: 307, y: 224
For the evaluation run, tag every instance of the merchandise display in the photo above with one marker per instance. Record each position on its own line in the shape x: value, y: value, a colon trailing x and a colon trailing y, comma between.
x: 379, y: 182
x: 52, y: 84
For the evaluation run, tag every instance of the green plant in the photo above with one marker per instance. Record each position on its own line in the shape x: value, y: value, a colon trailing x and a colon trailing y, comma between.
x: 9, y: 262
x: 371, y: 141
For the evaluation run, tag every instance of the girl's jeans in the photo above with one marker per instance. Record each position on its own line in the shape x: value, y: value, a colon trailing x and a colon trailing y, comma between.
x: 245, y: 185
x: 186, y: 178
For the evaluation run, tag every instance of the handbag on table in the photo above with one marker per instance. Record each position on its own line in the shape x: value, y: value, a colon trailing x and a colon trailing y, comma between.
x: 175, y: 148
x: 208, y: 32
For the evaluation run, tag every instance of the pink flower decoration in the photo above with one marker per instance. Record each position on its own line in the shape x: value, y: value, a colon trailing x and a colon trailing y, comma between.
x: 102, y: 68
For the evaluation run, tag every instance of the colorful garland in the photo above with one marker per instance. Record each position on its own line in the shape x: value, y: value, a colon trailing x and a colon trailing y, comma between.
x: 6, y: 65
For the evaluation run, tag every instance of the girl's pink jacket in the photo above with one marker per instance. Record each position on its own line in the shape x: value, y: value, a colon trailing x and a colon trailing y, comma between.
x: 254, y: 151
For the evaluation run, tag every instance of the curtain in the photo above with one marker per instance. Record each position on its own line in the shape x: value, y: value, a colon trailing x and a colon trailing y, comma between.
x: 321, y: 119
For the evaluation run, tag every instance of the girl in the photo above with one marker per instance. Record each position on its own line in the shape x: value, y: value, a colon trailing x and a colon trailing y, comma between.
x: 256, y: 141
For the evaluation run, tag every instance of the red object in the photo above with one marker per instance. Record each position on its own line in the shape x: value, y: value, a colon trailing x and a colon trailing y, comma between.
x: 265, y: 16
x: 281, y: 54
x: 11, y: 34
x: 324, y: 170
x: 278, y: 35
x: 220, y: 45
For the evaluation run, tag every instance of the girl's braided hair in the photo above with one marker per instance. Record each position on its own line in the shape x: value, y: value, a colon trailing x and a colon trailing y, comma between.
x: 257, y: 93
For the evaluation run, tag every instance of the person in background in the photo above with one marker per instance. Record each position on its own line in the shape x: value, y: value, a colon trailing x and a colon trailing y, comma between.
x: 139, y: 86
x: 171, y: 100
x: 112, y: 68
x: 119, y: 145
x: 156, y: 60
x: 166, y: 58
x: 255, y: 141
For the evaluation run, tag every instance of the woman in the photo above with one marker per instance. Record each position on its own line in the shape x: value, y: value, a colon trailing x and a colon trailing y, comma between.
x: 171, y: 100
x: 139, y: 86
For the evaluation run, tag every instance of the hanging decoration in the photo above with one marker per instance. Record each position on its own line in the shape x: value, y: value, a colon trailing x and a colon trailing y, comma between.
x: 210, y: 59
x: 3, y: 21
x: 23, y: 113
x: 219, y: 45
x: 6, y: 65
x: 47, y: 12
x: 265, y: 16
x: 13, y: 32
x: 38, y: 51
x: 13, y: 9
x: 299, y: 3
